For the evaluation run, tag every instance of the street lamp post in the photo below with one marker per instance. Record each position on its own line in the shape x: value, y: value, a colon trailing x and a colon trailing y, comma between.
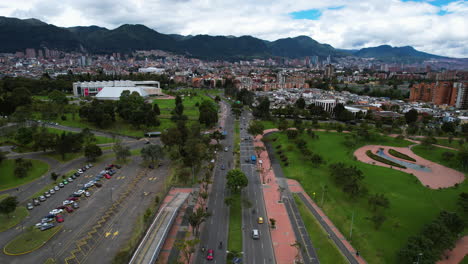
x: 419, y: 256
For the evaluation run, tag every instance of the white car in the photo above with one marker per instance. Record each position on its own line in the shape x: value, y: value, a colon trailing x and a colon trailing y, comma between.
x: 56, y: 211
x: 87, y: 194
x: 79, y: 192
x: 52, y: 191
x: 56, y: 188
x: 80, y: 171
x: 67, y: 202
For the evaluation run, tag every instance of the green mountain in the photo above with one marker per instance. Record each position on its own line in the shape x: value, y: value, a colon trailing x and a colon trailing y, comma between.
x: 18, y: 35
x: 389, y: 52
x: 300, y: 47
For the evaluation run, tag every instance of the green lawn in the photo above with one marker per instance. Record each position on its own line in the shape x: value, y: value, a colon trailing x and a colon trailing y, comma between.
x: 190, y: 108
x: 411, y: 204
x: 9, y: 221
x: 9, y: 180
x: 68, y: 156
x: 235, y: 224
x: 435, y: 154
x: 454, y: 144
x: 99, y: 139
x: 237, y: 143
x: 326, y: 249
x: 30, y: 240
x: 465, y: 260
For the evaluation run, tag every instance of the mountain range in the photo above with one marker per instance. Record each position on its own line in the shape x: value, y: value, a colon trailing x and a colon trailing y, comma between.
x: 19, y: 34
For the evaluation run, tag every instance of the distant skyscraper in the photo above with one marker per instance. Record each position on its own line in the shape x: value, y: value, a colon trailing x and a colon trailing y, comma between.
x: 30, y: 53
x: 329, y: 59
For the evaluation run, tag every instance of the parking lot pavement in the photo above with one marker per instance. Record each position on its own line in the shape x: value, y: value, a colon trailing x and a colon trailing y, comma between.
x: 119, y: 231
x: 78, y: 222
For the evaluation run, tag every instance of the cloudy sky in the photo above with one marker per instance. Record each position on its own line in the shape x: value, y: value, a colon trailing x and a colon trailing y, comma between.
x: 435, y: 26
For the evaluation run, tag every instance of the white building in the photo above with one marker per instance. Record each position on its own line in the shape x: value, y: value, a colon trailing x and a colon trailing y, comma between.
x: 93, y: 88
x: 113, y: 93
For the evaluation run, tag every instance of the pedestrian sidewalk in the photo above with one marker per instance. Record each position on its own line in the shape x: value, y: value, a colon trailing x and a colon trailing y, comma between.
x: 296, y: 187
x: 283, y: 235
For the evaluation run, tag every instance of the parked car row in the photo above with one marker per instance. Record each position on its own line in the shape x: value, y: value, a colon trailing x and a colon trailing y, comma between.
x: 69, y: 205
x: 37, y: 201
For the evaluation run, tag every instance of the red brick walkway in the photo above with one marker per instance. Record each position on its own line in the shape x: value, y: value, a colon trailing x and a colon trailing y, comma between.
x: 283, y: 236
x: 457, y: 254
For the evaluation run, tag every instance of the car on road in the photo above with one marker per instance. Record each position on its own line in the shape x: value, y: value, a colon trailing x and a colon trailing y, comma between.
x: 46, y: 226
x: 97, y: 184
x: 59, y: 218
x: 87, y: 194
x: 226, y: 149
x: 76, y: 205
x: 50, y: 216
x: 36, y: 202
x: 47, y: 194
x: 61, y: 207
x: 117, y: 166
x: 69, y: 209
x: 52, y: 191
x: 108, y: 176
x: 30, y: 206
x: 42, y: 198
x: 56, y: 188
x: 67, y: 202
x: 210, y: 254
x: 223, y: 167
x: 87, y: 166
x: 255, y: 234
x: 65, y: 182
x: 61, y: 185
x: 90, y: 165
x: 73, y: 176
x: 73, y: 199
x: 260, y: 220
x: 80, y: 171
x: 70, y: 179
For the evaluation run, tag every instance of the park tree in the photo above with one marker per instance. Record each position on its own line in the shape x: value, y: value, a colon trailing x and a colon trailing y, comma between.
x: 156, y: 109
x: 448, y: 127
x: 187, y: 247
x: 411, y: 116
x: 58, y: 98
x: 92, y: 151
x: 246, y: 97
x: 152, y: 153
x: 255, y: 128
x: 349, y: 178
x: 236, y: 180
x: 262, y: 111
x: 339, y: 108
x: 100, y: 113
x: 24, y: 135
x: 43, y: 139
x: 378, y: 201
x: 216, y: 135
x: 196, y: 218
x: 54, y: 176
x: 283, y: 124
x: 208, y: 113
x: 236, y: 109
x: 300, y: 103
x: 8, y: 205
x: 121, y: 151
x: 22, y: 167
x: 68, y: 142
x: 88, y: 136
x: 462, y: 203
x: 175, y: 137
x: 462, y: 157
x: 292, y: 133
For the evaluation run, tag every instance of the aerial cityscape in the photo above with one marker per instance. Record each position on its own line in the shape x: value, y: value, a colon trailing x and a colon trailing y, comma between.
x: 256, y: 132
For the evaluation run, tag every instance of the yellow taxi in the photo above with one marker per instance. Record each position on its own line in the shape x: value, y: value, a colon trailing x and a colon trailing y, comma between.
x: 260, y: 220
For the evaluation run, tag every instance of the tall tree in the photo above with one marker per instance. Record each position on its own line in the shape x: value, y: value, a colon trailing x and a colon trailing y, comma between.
x: 8, y: 205
x: 92, y: 151
x: 236, y: 180
x: 121, y: 151
x: 152, y: 153
x: 255, y: 128
x: 208, y: 113
x: 411, y: 116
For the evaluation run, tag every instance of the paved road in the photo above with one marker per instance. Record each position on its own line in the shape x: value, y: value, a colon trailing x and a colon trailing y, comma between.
x: 255, y: 251
x: 215, y: 230
x: 309, y: 255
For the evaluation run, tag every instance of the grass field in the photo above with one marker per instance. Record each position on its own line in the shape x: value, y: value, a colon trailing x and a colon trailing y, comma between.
x: 99, y: 139
x: 435, y: 154
x: 411, y: 204
x: 465, y: 260
x: 68, y: 156
x: 235, y: 225
x: 30, y: 240
x: 326, y: 250
x: 9, y: 221
x: 454, y: 144
x: 190, y: 109
x: 8, y: 178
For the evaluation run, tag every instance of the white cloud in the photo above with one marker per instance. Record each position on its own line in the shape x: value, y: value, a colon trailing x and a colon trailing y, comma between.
x: 359, y: 23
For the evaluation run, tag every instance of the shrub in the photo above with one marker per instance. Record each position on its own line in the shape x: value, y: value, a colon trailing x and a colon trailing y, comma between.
x: 400, y: 155
x: 383, y: 160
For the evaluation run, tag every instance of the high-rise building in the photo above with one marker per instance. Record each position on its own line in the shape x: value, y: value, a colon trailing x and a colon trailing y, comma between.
x: 329, y: 71
x: 441, y: 93
x: 30, y: 53
x: 461, y: 100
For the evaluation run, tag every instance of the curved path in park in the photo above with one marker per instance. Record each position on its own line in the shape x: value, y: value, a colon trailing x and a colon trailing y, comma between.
x: 438, y: 177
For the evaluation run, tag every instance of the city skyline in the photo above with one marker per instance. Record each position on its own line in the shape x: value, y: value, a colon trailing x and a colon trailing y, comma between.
x: 430, y: 26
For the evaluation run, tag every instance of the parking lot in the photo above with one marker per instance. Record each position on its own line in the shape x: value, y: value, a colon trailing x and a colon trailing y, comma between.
x: 77, y: 223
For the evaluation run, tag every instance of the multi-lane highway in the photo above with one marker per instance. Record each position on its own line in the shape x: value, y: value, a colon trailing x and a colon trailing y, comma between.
x: 216, y: 227
x: 255, y: 251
